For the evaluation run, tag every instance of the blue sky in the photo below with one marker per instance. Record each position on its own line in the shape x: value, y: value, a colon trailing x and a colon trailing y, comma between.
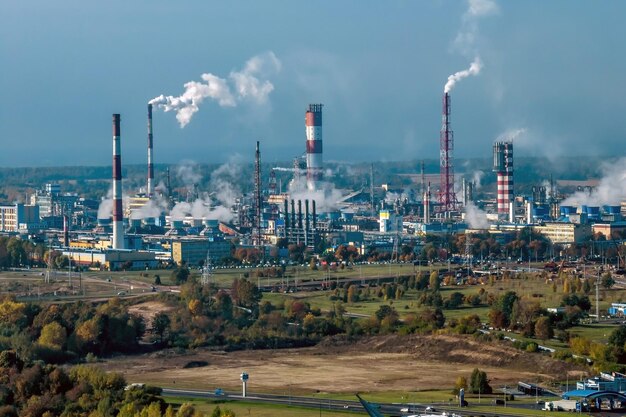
x: 554, y: 69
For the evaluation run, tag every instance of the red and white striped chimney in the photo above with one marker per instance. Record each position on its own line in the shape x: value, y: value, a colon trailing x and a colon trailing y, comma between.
x: 503, y: 167
x: 313, y: 121
x: 150, y: 186
x: 118, y: 222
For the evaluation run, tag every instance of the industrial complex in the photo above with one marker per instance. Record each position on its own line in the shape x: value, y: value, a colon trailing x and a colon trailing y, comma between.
x: 309, y: 213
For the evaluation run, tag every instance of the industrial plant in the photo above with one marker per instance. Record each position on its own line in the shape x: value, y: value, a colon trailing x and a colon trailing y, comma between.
x: 149, y: 228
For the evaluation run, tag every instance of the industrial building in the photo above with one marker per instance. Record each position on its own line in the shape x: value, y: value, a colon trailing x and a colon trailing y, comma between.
x: 194, y: 251
x: 19, y: 217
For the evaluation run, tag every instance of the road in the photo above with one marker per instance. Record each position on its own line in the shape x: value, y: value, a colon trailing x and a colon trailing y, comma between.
x: 330, y: 404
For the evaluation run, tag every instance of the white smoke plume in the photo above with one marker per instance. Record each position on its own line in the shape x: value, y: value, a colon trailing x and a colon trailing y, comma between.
x: 610, y: 191
x: 474, y: 69
x: 245, y: 83
x: 156, y: 206
x: 511, y: 135
x: 467, y: 38
x: 326, y: 197
x: 105, y: 209
x: 478, y: 8
x: 188, y: 174
x: 224, y: 180
x: 475, y: 217
x: 283, y: 169
x: 202, y: 208
x: 477, y: 177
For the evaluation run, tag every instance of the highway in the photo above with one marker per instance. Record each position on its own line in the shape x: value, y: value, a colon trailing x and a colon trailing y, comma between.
x: 326, y: 405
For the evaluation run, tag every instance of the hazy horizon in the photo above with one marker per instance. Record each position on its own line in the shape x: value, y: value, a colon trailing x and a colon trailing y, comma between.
x: 548, y: 70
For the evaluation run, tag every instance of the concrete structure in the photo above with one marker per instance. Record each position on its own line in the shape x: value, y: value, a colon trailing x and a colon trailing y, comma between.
x: 503, y: 167
x: 314, y: 160
x: 194, y: 250
x: 16, y: 217
x: 118, y: 224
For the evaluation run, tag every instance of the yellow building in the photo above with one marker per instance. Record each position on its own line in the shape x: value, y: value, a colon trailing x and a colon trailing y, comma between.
x: 564, y: 233
x: 193, y: 251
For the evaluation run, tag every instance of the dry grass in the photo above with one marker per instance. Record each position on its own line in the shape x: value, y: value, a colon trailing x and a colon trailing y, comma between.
x: 378, y: 364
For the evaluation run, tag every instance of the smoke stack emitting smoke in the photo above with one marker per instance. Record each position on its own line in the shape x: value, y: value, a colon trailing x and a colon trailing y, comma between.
x: 474, y: 69
x: 245, y: 83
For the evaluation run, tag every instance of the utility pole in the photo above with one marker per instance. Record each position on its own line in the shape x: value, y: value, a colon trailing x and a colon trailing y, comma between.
x: 598, y: 298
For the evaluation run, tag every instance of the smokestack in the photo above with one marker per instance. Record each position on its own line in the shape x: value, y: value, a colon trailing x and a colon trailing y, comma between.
x: 427, y: 205
x: 503, y: 167
x: 313, y: 122
x: 299, y: 214
x: 66, y: 231
x: 118, y: 224
x: 314, y: 216
x: 306, y: 222
x: 286, y: 213
x: 293, y: 215
x: 257, y: 194
x: 150, y: 186
x: 447, y: 196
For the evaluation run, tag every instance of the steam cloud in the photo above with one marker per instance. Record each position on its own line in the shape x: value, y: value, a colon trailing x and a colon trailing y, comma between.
x: 475, y: 217
x: 474, y: 69
x: 610, y: 191
x: 245, y: 83
x: 217, y: 205
x: 510, y: 135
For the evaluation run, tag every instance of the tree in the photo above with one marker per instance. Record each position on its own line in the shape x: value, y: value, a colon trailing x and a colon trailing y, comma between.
x: 353, y: 294
x: 53, y: 336
x: 434, y: 281
x: 460, y: 383
x: 160, y: 325
x: 479, y: 384
x: 543, y: 328
x: 180, y: 274
x: 607, y: 281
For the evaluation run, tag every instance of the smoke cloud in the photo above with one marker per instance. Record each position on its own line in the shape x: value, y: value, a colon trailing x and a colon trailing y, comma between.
x: 245, y: 83
x: 610, y: 191
x: 510, y: 135
x: 474, y: 69
x: 475, y: 217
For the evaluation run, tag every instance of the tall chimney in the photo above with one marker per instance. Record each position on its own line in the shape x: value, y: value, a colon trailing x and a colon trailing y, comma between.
x: 313, y: 122
x: 306, y: 222
x: 66, y: 231
x: 503, y: 167
x: 426, y: 203
x: 150, y: 187
x: 118, y: 224
x: 293, y: 215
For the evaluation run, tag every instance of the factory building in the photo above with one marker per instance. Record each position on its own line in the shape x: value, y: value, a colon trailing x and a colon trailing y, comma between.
x: 16, y: 217
x: 193, y: 251
x: 564, y: 233
x: 389, y: 222
x: 112, y: 260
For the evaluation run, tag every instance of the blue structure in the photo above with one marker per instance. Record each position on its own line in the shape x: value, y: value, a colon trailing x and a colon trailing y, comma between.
x: 594, y: 399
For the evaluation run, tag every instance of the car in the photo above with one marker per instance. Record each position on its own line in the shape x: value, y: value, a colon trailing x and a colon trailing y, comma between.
x: 121, y: 293
x: 430, y: 409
